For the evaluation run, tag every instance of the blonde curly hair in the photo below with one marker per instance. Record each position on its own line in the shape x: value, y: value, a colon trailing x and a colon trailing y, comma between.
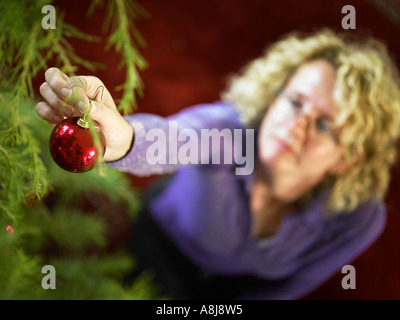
x: 366, y: 94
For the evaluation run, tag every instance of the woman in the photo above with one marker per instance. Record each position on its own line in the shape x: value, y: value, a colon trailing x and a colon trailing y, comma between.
x: 325, y: 114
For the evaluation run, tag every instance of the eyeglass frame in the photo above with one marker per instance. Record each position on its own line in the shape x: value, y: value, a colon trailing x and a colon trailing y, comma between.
x: 333, y: 135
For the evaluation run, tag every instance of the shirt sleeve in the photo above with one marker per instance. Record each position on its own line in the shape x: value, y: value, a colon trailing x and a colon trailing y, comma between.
x: 345, y: 239
x: 156, y: 143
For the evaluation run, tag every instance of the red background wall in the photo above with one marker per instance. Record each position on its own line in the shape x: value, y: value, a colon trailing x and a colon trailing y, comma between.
x: 193, y: 46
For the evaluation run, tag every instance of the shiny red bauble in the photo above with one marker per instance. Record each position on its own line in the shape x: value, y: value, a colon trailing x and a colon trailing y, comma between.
x: 72, y: 145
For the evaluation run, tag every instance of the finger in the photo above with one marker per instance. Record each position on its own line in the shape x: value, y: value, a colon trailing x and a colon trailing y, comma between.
x: 57, y: 80
x: 78, y: 99
x: 48, y: 113
x: 78, y: 89
x: 55, y: 102
x: 94, y: 89
x: 60, y: 92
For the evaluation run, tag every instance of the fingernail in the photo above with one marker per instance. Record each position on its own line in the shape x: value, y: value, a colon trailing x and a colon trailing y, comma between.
x: 82, y: 106
x: 65, y: 92
x: 67, y: 111
x: 58, y: 118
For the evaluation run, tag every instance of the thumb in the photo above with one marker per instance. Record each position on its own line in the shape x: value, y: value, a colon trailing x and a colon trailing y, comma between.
x: 101, y: 114
x: 96, y: 109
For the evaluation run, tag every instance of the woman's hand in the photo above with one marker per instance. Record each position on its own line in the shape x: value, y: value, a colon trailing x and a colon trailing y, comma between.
x: 69, y: 96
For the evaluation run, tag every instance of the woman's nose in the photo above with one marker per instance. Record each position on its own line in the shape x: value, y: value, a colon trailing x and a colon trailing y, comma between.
x: 300, y: 127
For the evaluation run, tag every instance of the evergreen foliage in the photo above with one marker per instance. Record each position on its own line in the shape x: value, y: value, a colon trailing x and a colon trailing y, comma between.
x: 49, y: 216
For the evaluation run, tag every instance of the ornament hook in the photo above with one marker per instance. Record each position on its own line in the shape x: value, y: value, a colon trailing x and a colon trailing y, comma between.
x: 95, y: 93
x: 82, y: 121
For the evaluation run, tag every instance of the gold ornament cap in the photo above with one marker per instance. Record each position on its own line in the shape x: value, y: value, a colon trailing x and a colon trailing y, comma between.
x: 83, y: 121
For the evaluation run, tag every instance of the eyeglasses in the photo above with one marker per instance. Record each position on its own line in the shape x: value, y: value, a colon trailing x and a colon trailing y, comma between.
x: 324, y: 131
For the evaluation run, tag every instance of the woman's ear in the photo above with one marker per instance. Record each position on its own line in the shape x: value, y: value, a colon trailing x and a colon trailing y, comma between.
x: 342, y: 165
x: 340, y: 168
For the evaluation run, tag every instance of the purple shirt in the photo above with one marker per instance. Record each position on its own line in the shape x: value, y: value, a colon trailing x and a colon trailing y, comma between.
x: 205, y: 211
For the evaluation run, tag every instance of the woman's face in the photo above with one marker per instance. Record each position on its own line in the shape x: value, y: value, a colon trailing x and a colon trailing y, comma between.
x: 296, y: 142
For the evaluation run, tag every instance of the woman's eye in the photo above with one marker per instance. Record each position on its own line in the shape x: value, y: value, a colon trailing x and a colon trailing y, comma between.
x: 323, y: 126
x: 295, y: 103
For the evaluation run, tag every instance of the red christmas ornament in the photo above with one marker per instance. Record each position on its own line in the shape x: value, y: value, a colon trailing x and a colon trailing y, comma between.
x: 72, y: 145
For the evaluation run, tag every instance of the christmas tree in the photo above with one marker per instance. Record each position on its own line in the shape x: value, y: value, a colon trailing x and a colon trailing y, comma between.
x: 60, y: 232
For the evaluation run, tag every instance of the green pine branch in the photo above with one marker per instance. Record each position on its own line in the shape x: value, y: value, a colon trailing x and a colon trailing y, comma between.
x: 126, y: 39
x: 62, y: 233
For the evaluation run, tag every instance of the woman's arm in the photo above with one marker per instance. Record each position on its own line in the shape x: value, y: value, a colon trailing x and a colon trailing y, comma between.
x: 142, y: 144
x: 161, y: 145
